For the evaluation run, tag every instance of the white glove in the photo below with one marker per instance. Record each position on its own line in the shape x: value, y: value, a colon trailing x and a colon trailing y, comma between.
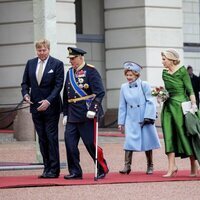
x: 91, y: 114
x: 65, y: 120
x: 193, y: 108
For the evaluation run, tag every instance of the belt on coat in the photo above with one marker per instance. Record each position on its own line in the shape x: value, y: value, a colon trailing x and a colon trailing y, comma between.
x: 81, y: 98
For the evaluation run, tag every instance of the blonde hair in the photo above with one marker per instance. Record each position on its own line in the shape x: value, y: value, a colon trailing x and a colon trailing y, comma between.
x: 42, y: 43
x: 172, y: 55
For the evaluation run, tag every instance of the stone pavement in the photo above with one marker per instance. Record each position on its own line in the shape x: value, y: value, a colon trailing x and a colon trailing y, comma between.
x: 25, y: 152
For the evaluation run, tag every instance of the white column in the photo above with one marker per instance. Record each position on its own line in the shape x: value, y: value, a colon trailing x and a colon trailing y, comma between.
x: 55, y: 21
x: 139, y: 31
x: 44, y: 18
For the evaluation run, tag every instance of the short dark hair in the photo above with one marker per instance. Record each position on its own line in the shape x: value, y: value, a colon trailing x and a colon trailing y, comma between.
x: 189, y: 67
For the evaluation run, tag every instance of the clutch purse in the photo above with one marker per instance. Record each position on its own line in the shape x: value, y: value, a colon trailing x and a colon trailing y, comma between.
x: 186, y: 106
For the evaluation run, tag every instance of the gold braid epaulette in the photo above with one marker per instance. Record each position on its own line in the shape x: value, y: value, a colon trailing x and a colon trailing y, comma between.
x: 89, y: 65
x: 81, y: 98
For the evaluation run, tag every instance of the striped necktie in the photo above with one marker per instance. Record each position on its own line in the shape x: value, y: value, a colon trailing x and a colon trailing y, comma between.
x: 40, y: 73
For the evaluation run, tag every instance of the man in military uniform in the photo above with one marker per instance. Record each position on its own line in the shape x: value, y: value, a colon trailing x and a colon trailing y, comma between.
x: 83, y: 92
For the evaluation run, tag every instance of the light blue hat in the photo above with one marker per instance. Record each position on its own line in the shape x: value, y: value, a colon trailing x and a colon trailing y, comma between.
x: 132, y: 66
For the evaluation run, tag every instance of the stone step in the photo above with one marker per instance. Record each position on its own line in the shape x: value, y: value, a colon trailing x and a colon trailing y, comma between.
x: 6, y: 136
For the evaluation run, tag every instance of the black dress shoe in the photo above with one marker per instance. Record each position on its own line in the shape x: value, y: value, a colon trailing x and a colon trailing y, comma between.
x: 50, y: 175
x: 42, y: 175
x: 73, y: 176
x: 101, y: 175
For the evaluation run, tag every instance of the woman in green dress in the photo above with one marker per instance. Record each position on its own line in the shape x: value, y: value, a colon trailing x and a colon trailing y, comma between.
x: 177, y: 83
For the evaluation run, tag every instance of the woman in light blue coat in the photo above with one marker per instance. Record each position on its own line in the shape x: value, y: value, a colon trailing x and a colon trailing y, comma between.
x: 136, y: 117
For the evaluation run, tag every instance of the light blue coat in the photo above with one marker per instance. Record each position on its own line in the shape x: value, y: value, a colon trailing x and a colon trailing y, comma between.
x: 136, y: 104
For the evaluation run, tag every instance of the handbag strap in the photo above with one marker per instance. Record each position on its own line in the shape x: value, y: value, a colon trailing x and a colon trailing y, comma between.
x: 146, y: 98
x: 143, y: 91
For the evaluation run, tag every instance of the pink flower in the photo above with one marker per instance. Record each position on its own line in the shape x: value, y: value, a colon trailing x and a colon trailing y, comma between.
x: 161, y: 93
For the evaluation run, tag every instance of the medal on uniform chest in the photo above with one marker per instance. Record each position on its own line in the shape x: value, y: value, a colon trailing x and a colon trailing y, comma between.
x: 86, y: 86
x: 80, y: 80
x: 80, y: 74
x: 80, y: 86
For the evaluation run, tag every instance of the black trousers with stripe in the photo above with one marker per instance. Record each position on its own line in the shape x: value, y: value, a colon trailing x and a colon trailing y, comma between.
x: 85, y: 131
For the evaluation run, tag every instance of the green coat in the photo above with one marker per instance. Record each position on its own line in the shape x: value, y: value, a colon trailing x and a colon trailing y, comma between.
x: 192, y: 122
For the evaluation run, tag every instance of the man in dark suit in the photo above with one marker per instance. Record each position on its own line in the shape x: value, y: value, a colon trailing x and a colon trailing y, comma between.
x: 83, y: 92
x: 195, y: 83
x: 41, y: 85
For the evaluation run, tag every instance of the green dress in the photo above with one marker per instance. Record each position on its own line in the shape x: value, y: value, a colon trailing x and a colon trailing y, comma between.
x: 179, y: 87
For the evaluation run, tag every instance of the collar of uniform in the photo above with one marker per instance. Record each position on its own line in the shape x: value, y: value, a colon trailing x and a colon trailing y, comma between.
x: 80, y: 67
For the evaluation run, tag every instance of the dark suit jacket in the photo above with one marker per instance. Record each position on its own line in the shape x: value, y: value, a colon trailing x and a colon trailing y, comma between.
x: 49, y: 88
x: 196, y: 86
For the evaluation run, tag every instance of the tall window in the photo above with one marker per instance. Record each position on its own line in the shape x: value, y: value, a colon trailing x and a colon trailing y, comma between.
x: 79, y: 24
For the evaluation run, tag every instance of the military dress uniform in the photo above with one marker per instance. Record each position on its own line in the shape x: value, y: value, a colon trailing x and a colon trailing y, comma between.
x: 83, y: 91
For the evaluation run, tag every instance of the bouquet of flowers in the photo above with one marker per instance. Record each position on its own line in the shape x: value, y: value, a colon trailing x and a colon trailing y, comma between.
x: 161, y: 93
